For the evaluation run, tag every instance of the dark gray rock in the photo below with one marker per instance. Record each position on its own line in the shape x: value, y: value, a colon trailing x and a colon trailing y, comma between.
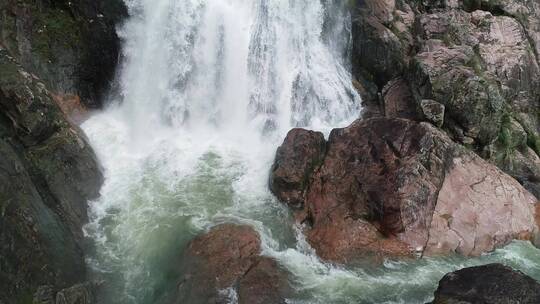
x: 433, y: 111
x: 71, y: 45
x: 48, y: 172
x: 493, y: 284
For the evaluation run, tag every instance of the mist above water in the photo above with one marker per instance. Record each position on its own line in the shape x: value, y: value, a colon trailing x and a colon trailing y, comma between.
x: 208, y: 90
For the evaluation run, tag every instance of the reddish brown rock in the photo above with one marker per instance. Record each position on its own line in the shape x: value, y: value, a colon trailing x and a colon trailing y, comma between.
x: 72, y: 108
x: 225, y: 263
x: 376, y: 190
x: 395, y: 187
x: 297, y: 158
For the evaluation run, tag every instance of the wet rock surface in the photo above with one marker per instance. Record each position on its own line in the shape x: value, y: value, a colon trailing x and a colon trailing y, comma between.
x: 225, y: 264
x: 71, y: 45
x: 478, y: 59
x: 296, y: 160
x: 395, y: 187
x: 493, y: 283
x: 84, y: 293
x: 48, y: 172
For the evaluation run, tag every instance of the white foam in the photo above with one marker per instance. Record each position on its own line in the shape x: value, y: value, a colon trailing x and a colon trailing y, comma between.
x: 209, y: 88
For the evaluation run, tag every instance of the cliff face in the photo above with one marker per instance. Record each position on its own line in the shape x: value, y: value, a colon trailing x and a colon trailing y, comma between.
x: 50, y: 51
x: 469, y: 66
x: 48, y: 173
x: 71, y: 45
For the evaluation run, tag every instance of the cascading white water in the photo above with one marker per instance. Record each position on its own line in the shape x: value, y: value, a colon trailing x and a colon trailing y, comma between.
x: 208, y: 90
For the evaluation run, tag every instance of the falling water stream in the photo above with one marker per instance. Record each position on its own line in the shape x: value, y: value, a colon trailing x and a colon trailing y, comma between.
x: 209, y: 89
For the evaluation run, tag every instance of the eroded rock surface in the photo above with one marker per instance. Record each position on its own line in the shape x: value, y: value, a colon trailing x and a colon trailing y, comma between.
x: 493, y: 283
x: 226, y: 264
x: 296, y: 160
x: 478, y: 59
x: 47, y: 173
x: 71, y: 45
x: 395, y: 187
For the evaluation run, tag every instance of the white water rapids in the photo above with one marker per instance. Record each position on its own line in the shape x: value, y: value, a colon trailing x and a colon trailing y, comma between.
x: 208, y: 90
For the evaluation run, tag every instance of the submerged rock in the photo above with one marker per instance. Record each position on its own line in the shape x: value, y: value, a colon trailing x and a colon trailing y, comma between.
x: 225, y: 264
x: 493, y: 284
x: 395, y: 187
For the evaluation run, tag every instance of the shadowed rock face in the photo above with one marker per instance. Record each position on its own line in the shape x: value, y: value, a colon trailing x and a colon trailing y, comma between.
x: 71, y: 45
x: 494, y: 284
x: 226, y: 264
x: 296, y: 160
x: 47, y: 173
x: 477, y: 59
x: 51, y: 52
x: 397, y: 187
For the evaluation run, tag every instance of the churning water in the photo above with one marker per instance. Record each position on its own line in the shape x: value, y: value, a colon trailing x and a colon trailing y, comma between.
x: 209, y: 88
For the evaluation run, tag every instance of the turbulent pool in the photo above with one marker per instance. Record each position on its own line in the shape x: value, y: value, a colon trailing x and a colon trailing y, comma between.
x: 208, y: 89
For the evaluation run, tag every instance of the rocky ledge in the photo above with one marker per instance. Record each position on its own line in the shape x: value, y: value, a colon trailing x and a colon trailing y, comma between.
x: 396, y: 187
x: 471, y: 67
x: 225, y: 265
x: 493, y: 284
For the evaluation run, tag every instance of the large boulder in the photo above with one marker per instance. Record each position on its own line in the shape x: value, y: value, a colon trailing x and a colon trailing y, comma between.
x: 493, y: 283
x: 226, y: 264
x: 48, y: 171
x: 396, y: 187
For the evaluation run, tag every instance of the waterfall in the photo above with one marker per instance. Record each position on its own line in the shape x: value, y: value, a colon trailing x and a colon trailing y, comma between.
x: 236, y: 65
x: 208, y: 89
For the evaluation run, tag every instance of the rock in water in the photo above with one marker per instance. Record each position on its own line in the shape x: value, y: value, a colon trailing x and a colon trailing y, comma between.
x: 295, y: 162
x: 493, y: 284
x: 225, y: 264
x: 395, y: 187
